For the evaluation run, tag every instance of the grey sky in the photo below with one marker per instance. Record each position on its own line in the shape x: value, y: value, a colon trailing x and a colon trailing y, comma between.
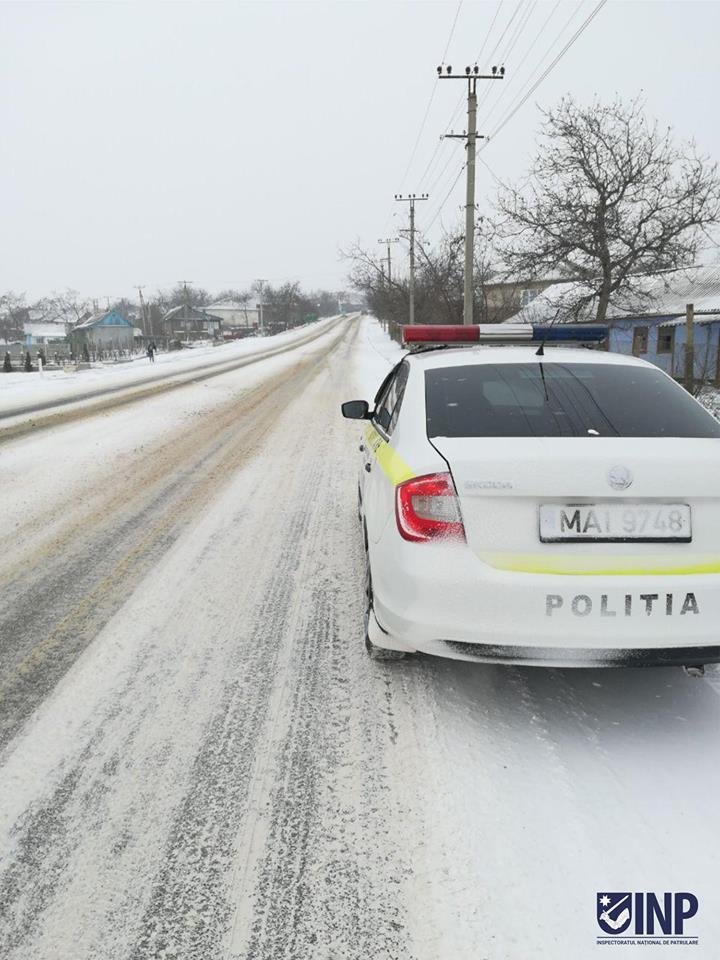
x: 218, y: 142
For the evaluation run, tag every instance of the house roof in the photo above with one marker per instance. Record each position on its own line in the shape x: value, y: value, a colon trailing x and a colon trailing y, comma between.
x: 233, y: 305
x: 663, y: 295
x: 46, y: 329
x: 108, y: 318
x: 193, y: 313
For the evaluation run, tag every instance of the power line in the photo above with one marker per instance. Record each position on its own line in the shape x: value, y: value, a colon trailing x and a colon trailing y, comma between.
x: 460, y: 99
x: 514, y: 109
x: 446, y: 198
x: 524, y: 57
x: 432, y: 97
x: 550, y: 67
x: 512, y: 43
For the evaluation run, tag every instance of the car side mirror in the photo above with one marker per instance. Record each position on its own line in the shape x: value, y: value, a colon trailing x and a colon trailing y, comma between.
x: 356, y: 410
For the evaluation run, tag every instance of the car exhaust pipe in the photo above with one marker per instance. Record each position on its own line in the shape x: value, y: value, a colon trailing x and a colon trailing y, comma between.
x: 695, y: 671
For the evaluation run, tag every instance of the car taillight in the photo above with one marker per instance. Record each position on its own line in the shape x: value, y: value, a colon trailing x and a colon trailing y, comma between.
x: 427, y: 508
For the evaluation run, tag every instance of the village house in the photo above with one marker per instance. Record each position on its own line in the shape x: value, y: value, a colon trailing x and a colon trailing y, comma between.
x: 190, y: 323
x: 104, y: 331
x: 238, y: 318
x: 656, y: 330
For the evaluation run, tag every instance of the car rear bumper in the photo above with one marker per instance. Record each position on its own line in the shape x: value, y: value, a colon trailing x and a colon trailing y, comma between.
x: 443, y: 600
x: 575, y: 657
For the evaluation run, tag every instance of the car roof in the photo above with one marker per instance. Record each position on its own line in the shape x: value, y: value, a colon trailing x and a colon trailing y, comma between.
x: 493, y: 353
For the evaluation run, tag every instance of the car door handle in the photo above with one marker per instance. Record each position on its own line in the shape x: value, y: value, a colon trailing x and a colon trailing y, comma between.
x: 368, y: 467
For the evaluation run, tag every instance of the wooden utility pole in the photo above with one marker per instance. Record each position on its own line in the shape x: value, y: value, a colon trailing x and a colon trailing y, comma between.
x: 411, y: 198
x: 690, y: 347
x: 471, y: 75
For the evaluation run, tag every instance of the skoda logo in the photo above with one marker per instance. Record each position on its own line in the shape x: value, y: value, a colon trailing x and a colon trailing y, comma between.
x: 619, y: 478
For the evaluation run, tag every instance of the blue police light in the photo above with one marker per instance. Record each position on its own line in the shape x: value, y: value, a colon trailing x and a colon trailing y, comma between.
x: 574, y: 332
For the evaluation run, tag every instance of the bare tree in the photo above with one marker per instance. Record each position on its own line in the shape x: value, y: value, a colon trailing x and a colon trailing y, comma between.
x: 12, y: 314
x: 182, y: 294
x: 65, y: 305
x: 609, y: 198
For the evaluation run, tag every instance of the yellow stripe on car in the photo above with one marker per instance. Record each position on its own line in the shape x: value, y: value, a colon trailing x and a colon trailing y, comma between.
x: 575, y: 566
x: 389, y: 461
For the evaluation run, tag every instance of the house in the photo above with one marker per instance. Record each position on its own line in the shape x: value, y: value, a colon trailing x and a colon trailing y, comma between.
x: 656, y: 329
x: 190, y: 323
x: 108, y: 330
x: 236, y: 316
x: 503, y: 298
x: 43, y: 332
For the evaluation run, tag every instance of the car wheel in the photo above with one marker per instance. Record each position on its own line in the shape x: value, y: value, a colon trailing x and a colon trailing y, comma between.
x: 374, y: 652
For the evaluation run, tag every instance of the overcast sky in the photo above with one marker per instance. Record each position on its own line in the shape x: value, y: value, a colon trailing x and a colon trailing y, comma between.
x: 219, y: 142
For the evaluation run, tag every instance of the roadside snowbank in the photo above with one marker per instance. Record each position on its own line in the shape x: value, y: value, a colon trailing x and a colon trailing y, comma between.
x: 376, y: 353
x: 18, y: 390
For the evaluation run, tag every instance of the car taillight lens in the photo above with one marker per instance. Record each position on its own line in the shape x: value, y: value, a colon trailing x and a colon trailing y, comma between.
x: 427, y: 508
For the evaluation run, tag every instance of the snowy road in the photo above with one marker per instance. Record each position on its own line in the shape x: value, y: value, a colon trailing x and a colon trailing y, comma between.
x: 199, y: 761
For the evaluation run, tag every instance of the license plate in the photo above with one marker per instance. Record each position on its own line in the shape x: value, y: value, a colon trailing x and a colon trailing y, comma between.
x: 615, y: 522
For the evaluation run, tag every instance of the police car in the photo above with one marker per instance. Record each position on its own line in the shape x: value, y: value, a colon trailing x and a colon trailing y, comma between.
x: 525, y: 501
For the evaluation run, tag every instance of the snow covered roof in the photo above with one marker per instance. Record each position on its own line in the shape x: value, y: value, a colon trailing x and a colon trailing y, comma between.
x: 47, y: 329
x: 193, y: 313
x: 107, y: 318
x: 665, y: 294
x: 232, y: 304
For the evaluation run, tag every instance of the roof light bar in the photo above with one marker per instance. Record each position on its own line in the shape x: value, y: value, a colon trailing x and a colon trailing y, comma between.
x: 505, y: 333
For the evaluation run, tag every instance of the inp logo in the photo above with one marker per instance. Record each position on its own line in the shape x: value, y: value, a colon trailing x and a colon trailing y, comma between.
x: 614, y: 912
x: 643, y: 915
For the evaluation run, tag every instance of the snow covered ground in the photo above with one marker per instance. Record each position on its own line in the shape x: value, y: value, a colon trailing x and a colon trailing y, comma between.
x: 199, y: 761
x: 20, y: 390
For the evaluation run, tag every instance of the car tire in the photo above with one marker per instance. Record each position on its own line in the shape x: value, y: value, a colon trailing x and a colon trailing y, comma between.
x: 373, y: 651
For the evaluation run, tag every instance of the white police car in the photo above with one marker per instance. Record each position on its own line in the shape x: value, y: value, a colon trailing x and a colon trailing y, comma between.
x: 558, y: 505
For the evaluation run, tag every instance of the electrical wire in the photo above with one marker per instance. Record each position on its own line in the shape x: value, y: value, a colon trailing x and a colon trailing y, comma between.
x: 507, y: 85
x: 430, y: 101
x: 460, y: 100
x: 583, y: 26
x: 525, y: 97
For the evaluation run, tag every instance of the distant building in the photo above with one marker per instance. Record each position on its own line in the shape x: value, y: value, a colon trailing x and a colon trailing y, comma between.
x: 503, y: 298
x: 656, y: 330
x: 43, y: 332
x: 108, y: 330
x: 190, y: 323
x: 236, y: 316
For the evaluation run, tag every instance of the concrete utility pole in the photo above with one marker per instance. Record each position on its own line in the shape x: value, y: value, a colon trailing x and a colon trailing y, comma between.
x: 388, y: 241
x: 471, y: 75
x: 411, y: 198
x: 690, y: 347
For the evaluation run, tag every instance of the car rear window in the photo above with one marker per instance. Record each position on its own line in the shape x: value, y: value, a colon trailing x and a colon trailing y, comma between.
x: 560, y: 400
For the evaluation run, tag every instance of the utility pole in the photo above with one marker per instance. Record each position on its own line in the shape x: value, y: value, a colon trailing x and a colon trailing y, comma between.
x: 388, y: 241
x: 143, y: 313
x: 261, y: 287
x: 471, y: 75
x: 690, y: 347
x: 411, y: 198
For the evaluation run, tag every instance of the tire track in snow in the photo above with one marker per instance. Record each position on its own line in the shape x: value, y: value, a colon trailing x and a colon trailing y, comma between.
x: 55, y: 601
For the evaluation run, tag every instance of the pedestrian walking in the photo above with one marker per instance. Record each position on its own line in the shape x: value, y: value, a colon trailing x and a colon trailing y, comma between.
x: 151, y: 351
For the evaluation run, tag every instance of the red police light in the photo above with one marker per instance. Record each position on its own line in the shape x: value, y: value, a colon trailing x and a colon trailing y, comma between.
x: 441, y: 333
